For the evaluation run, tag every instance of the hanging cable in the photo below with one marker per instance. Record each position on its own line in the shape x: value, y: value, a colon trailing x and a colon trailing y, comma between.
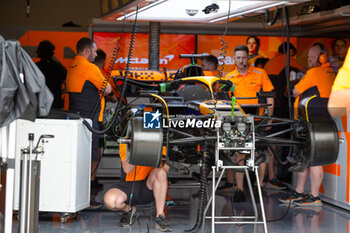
x: 224, y: 44
x: 287, y: 69
x: 28, y: 8
x: 288, y: 64
x: 267, y: 17
x: 123, y: 90
x: 286, y: 51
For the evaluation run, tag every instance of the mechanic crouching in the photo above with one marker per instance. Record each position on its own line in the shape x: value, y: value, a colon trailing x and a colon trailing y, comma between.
x: 139, y: 185
x: 248, y: 80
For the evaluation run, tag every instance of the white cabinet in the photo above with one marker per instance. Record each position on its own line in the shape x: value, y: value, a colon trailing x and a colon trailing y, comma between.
x: 65, y: 166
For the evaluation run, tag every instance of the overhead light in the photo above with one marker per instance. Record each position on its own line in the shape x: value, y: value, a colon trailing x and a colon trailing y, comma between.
x: 177, y: 10
x: 155, y: 3
x: 191, y: 11
x: 248, y: 11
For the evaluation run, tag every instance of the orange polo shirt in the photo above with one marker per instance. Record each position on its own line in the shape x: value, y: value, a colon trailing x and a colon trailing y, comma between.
x: 343, y: 78
x: 276, y: 65
x: 249, y: 84
x: 322, y: 76
x: 141, y: 171
x: 84, y: 83
x: 215, y: 73
x: 82, y: 70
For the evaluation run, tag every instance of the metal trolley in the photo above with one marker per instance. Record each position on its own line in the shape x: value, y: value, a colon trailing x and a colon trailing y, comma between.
x: 240, y: 137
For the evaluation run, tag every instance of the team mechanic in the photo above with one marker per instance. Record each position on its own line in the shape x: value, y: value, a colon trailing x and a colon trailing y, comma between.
x: 276, y: 70
x: 248, y: 80
x: 139, y: 185
x: 85, y: 83
x: 321, y: 75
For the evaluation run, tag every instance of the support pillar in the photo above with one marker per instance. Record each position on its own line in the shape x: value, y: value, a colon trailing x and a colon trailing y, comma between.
x: 153, y: 47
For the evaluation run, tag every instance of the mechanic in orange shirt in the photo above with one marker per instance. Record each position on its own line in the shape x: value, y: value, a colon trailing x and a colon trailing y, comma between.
x: 275, y: 68
x: 145, y: 184
x: 85, y: 81
x: 248, y: 80
x: 275, y: 64
x: 85, y: 84
x: 321, y: 75
x: 339, y: 100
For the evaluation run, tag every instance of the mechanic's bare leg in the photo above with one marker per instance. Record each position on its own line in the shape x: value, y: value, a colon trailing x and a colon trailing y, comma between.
x: 240, y: 175
x: 301, y: 180
x: 316, y: 177
x: 158, y: 182
x: 262, y: 172
x: 229, y: 176
x: 115, y: 200
x: 94, y: 164
x: 271, y: 164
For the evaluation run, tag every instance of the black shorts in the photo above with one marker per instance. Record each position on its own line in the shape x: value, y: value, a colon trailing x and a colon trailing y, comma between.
x: 141, y: 194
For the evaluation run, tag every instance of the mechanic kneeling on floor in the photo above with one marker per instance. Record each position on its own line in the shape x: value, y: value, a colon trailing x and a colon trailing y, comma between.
x: 139, y: 185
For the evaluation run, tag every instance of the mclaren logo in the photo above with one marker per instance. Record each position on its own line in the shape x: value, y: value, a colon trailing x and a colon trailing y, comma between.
x: 163, y: 61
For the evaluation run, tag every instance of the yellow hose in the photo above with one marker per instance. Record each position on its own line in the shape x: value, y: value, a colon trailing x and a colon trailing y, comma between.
x: 165, y: 104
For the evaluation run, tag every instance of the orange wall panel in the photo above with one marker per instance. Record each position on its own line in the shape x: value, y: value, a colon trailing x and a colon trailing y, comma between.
x: 60, y: 40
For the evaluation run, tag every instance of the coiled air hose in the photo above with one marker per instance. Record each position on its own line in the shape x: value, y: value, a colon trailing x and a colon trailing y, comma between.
x: 108, y: 73
x: 224, y: 44
x: 131, y: 50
